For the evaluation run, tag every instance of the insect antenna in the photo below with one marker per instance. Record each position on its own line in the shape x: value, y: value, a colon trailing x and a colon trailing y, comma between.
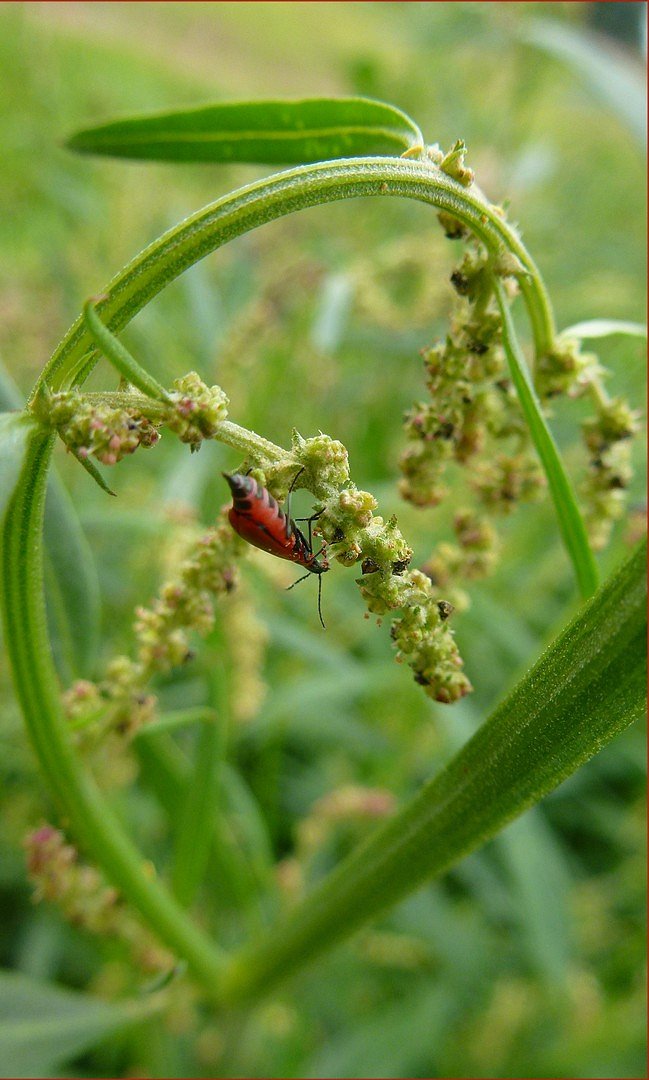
x: 288, y: 587
x: 320, y: 602
x: 303, y: 578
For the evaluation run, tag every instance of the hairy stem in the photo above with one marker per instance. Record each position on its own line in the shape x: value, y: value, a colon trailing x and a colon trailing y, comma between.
x: 77, y: 796
x: 269, y: 199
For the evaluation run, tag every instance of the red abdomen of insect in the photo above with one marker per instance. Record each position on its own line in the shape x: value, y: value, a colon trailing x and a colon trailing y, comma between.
x: 259, y: 519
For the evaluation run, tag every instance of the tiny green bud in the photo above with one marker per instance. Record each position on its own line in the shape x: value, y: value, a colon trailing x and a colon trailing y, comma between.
x: 615, y: 421
x: 453, y: 164
x: 325, y: 461
x: 197, y: 409
x: 565, y: 370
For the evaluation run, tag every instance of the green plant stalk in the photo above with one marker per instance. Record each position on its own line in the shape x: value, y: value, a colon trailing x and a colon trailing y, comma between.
x: 77, y: 796
x: 227, y: 432
x: 175, y: 719
x: 285, y: 193
x: 193, y: 838
x: 167, y: 771
x: 121, y: 358
x: 586, y: 688
x: 571, y: 522
x: 128, y: 293
x: 272, y: 198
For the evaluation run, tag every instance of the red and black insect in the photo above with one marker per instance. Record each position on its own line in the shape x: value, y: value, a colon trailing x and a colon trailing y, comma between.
x: 259, y: 519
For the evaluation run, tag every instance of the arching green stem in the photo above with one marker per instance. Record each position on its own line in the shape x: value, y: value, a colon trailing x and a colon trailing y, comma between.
x: 77, y: 796
x: 282, y: 194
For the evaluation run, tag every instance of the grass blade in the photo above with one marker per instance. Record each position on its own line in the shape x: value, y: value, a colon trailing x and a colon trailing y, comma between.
x: 571, y: 522
x: 44, y: 1026
x: 612, y: 76
x: 191, y: 852
x: 257, y: 132
x: 599, y: 328
x: 586, y: 688
x: 119, y: 355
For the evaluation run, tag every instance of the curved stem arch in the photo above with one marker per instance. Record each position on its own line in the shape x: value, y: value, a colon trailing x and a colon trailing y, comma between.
x: 285, y: 193
x: 76, y: 793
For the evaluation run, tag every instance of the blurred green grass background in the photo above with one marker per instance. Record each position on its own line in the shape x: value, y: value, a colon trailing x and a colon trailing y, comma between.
x: 528, y: 958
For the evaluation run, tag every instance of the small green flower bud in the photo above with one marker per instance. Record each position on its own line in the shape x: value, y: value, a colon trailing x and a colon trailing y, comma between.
x: 325, y: 460
x: 615, y: 421
x: 453, y: 228
x: 357, y: 507
x: 565, y: 370
x: 198, y: 410
x: 508, y: 479
x: 453, y: 164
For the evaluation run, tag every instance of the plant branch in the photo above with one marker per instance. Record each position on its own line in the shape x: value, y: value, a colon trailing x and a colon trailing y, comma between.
x: 586, y: 688
x: 571, y: 523
x: 269, y: 199
x: 78, y: 798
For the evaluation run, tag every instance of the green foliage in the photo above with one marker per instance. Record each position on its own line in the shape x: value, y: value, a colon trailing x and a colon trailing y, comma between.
x: 526, y: 956
x: 570, y: 520
x: 265, y: 133
x: 42, y: 1026
x: 15, y: 429
x: 588, y: 686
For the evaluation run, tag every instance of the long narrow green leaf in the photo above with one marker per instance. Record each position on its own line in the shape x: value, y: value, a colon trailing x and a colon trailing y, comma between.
x: 258, y: 132
x: 120, y: 357
x: 193, y: 838
x: 571, y: 522
x: 613, y: 75
x: 586, y: 688
x: 15, y: 430
x: 599, y: 328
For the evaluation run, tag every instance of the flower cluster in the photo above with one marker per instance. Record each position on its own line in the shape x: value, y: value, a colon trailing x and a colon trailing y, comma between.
x: 608, y: 437
x: 471, y: 400
x: 472, y: 557
x: 351, y: 805
x: 319, y: 464
x: 85, y: 898
x: 354, y: 534
x: 99, y: 429
x: 197, y: 411
x: 345, y: 804
x: 187, y: 603
x: 104, y: 716
x: 565, y: 370
x: 110, y: 426
x: 425, y: 641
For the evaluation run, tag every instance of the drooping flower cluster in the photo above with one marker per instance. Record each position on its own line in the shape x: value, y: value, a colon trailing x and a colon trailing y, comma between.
x: 473, y: 556
x: 472, y: 417
x: 107, y: 427
x: 198, y: 409
x: 607, y: 435
x: 99, y: 430
x: 350, y: 806
x: 86, y: 899
x: 471, y: 402
x: 421, y: 635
